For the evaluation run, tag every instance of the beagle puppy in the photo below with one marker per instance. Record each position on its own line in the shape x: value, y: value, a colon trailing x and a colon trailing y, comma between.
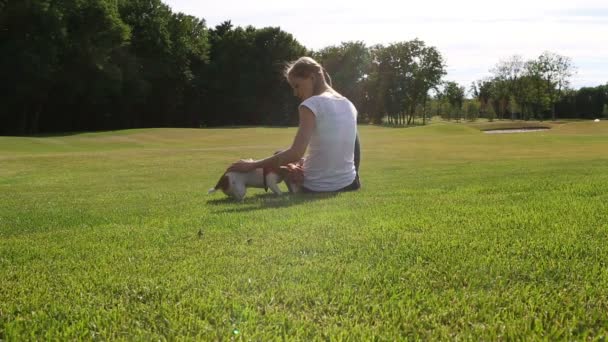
x: 235, y: 184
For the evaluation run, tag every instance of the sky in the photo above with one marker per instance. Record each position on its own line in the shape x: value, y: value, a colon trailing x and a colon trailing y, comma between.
x: 472, y: 35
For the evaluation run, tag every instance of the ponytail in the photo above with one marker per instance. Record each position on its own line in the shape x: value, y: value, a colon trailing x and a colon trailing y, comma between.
x: 327, y: 77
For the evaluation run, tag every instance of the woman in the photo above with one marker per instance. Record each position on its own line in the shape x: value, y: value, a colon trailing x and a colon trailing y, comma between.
x: 327, y: 127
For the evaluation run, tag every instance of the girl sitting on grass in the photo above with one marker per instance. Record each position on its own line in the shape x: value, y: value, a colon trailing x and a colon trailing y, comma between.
x: 327, y: 127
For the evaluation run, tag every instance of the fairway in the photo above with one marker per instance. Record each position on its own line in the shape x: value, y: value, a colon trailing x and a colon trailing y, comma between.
x: 455, y: 234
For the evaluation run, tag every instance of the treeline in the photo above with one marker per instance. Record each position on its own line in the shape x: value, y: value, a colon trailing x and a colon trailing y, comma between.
x: 523, y: 90
x: 80, y: 65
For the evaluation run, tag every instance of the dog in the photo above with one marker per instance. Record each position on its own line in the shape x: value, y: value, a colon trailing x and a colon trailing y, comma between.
x: 235, y: 184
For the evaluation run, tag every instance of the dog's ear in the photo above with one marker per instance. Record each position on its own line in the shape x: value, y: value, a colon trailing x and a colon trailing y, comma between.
x: 223, y: 183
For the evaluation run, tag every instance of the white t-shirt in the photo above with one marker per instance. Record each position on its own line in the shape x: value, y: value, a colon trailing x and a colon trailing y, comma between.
x: 330, y: 163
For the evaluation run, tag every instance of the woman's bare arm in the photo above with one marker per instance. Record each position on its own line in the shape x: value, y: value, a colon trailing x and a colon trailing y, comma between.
x: 299, y: 145
x: 293, y: 154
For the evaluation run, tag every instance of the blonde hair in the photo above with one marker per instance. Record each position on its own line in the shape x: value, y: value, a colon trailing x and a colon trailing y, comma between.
x: 305, y: 67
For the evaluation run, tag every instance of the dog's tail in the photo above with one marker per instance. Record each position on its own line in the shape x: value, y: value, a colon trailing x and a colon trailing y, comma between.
x: 223, y: 184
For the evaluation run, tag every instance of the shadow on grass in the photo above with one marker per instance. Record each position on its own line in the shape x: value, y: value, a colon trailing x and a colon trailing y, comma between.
x: 267, y: 201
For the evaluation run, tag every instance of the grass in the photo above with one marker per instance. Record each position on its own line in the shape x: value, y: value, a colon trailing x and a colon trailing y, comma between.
x: 455, y: 235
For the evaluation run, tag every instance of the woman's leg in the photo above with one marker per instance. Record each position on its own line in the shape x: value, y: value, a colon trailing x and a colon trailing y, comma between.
x: 357, y: 183
x: 357, y: 154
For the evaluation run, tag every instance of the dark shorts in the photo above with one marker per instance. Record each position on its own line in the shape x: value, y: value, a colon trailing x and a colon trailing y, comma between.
x: 355, y: 185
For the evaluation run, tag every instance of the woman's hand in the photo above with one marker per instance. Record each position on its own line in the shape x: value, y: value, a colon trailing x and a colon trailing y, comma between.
x: 295, y: 172
x: 243, y: 166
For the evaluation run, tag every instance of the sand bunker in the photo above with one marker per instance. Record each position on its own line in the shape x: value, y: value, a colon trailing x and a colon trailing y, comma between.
x: 516, y: 130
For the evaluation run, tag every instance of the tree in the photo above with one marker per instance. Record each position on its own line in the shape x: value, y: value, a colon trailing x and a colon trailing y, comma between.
x: 246, y: 70
x: 454, y: 94
x: 491, y: 113
x: 375, y: 84
x: 500, y: 96
x: 349, y: 65
x: 58, y: 63
x: 91, y: 78
x: 274, y: 101
x: 189, y: 56
x: 33, y: 35
x: 404, y: 74
x: 481, y: 91
x: 555, y: 70
x: 429, y: 68
x: 150, y: 47
x: 590, y: 101
x: 507, y: 74
x: 586, y: 103
x: 472, y: 110
x: 535, y: 88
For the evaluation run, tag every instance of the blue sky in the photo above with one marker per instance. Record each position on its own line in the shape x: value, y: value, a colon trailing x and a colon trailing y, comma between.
x: 472, y: 35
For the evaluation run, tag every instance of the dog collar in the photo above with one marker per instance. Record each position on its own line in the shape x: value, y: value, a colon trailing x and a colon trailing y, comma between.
x: 266, y: 170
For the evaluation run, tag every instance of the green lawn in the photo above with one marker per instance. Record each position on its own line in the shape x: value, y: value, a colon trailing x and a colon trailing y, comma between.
x: 456, y: 234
